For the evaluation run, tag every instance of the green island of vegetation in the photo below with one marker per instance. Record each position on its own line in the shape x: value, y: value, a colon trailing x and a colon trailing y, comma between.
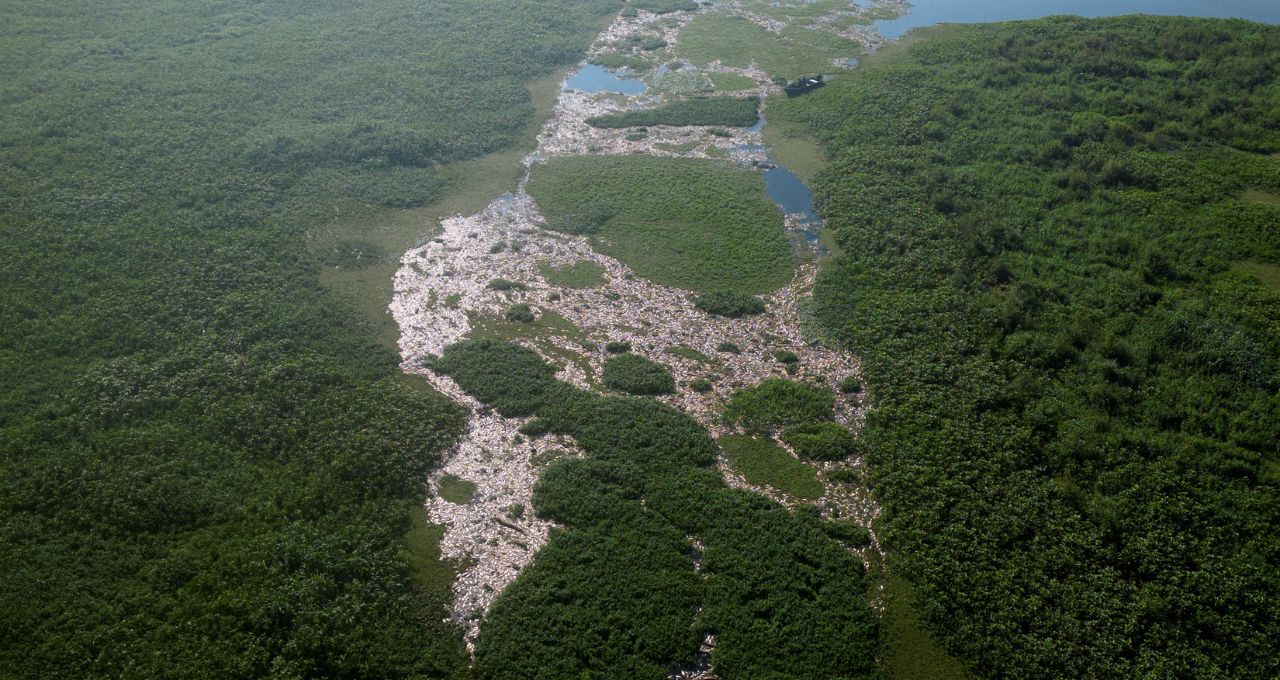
x: 726, y: 111
x: 210, y: 461
x: 634, y: 374
x: 736, y: 41
x: 614, y: 592
x: 690, y: 223
x: 729, y: 303
x: 1057, y: 287
x: 777, y: 403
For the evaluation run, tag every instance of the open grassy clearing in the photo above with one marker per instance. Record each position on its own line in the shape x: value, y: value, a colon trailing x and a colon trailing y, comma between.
x: 689, y: 223
x: 762, y: 462
x: 737, y: 42
x: 730, y: 82
x: 1268, y: 274
x: 907, y: 649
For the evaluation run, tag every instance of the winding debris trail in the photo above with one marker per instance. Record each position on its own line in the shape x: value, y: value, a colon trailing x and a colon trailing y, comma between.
x: 443, y: 294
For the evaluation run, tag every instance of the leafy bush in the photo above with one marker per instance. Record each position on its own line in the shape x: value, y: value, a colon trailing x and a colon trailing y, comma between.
x: 728, y: 303
x: 617, y: 347
x: 501, y: 284
x: 777, y: 403
x: 700, y: 385
x: 851, y: 385
x: 635, y: 374
x: 786, y: 357
x: 728, y: 348
x: 521, y: 313
x: 855, y: 535
x: 820, y: 440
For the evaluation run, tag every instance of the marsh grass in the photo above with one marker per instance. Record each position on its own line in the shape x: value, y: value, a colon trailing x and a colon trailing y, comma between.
x: 690, y: 223
x: 762, y: 462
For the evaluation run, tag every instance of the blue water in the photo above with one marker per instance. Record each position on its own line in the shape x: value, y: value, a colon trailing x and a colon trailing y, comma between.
x: 790, y: 193
x: 592, y: 78
x: 929, y: 12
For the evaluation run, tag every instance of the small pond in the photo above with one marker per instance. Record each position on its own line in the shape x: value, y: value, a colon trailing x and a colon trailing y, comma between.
x: 593, y: 78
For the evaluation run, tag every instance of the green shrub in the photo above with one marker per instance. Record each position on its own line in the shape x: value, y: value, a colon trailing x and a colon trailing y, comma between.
x: 777, y: 403
x: 700, y: 385
x: 635, y: 374
x: 728, y: 303
x: 855, y: 535
x: 617, y: 347
x: 501, y: 284
x: 820, y: 440
x: 786, y: 357
x: 844, y: 476
x: 521, y: 313
x: 728, y: 348
x: 851, y: 385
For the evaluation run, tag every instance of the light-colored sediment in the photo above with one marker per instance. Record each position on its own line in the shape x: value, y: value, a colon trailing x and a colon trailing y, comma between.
x: 443, y: 285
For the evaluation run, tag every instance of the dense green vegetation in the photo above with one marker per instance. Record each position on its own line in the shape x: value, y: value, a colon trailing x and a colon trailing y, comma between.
x: 727, y: 111
x: 691, y: 223
x: 634, y: 374
x: 762, y: 462
x: 729, y: 303
x: 1077, y: 419
x: 777, y: 403
x: 207, y: 462
x: 614, y: 593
